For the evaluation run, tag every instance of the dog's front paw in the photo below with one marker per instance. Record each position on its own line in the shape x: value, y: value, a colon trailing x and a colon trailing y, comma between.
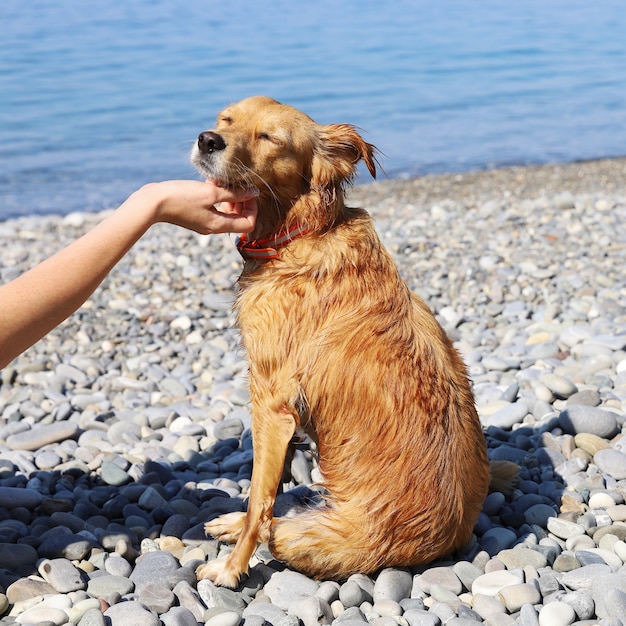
x: 226, y: 528
x: 219, y: 572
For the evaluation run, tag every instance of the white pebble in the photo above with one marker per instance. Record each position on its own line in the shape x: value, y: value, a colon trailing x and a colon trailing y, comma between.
x: 556, y: 614
x: 492, y: 583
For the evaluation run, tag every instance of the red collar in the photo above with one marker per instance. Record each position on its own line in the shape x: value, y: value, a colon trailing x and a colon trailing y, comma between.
x: 262, y: 250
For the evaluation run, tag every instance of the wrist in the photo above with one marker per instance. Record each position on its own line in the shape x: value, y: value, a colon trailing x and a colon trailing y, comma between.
x: 145, y: 204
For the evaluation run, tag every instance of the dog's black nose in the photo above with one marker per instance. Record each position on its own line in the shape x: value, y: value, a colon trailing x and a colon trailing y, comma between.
x: 208, y: 141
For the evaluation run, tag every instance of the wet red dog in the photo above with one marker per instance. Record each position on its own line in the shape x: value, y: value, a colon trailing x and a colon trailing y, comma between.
x: 339, y: 346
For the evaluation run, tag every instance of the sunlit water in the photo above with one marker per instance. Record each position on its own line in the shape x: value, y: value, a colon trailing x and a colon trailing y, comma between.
x: 99, y: 98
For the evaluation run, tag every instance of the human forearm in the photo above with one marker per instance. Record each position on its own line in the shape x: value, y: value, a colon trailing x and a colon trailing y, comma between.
x: 36, y: 302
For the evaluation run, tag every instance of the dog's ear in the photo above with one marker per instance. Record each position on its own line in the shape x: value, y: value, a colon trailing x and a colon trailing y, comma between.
x: 339, y: 150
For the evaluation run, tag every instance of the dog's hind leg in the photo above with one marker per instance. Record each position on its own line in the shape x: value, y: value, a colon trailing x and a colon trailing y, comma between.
x: 325, y: 543
x: 272, y: 431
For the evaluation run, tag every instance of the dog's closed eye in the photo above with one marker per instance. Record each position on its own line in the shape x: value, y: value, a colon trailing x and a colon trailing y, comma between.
x: 271, y: 138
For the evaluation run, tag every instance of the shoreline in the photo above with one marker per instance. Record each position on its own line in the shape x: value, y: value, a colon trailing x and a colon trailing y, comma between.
x: 597, y: 176
x: 517, y: 182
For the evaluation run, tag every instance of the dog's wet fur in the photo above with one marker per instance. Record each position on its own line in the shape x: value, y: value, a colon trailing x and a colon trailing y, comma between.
x: 339, y: 346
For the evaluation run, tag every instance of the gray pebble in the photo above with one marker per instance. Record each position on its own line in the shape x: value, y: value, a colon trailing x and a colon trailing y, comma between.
x: 442, y: 576
x: 40, y: 615
x: 175, y: 525
x: 437, y: 592
x: 528, y: 615
x: 94, y: 617
x: 467, y: 573
x: 563, y: 528
x: 153, y: 565
x: 496, y: 364
x: 112, y: 474
x: 383, y: 620
x: 102, y: 586
x: 70, y: 546
x: 220, y: 597
x: 499, y: 538
x: 157, y: 597
x: 124, y: 432
x: 27, y: 589
x: 522, y: 557
x: 188, y: 598
x: 329, y: 591
x: 13, y: 497
x: 62, y: 575
x: 180, y: 616
x: 393, y: 584
x: 613, y: 342
x: 134, y: 613
x: 366, y: 584
x: 444, y: 612
x: 47, y: 460
x: 507, y: 416
x: 270, y: 612
x: 417, y: 617
x: 581, y: 602
x: 559, y: 385
x: 351, y: 615
x: 611, y: 462
x: 539, y: 514
x: 608, y: 602
x: 151, y: 499
x: 227, y: 429
x: 254, y: 620
x: 493, y: 503
x: 311, y: 611
x: 587, y: 397
x: 351, y: 594
x: 587, y: 419
x: 583, y: 577
x: 285, y: 587
x: 615, y: 604
x: 117, y: 565
x: 225, y: 618
x: 42, y: 435
x: 16, y: 556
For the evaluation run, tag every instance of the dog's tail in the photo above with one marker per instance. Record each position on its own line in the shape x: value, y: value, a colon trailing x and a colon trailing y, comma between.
x: 504, y: 476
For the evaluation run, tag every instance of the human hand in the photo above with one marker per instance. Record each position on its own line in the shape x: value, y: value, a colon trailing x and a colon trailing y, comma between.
x: 191, y: 204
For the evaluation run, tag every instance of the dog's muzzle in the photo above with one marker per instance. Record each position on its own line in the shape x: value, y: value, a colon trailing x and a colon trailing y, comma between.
x: 209, y: 142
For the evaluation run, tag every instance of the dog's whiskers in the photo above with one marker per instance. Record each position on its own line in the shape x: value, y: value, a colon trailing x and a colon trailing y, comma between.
x: 246, y: 175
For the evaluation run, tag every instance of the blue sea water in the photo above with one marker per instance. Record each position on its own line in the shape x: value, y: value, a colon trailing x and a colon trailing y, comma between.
x: 99, y: 98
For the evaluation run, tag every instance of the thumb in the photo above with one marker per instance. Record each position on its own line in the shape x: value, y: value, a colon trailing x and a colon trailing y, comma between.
x: 246, y: 208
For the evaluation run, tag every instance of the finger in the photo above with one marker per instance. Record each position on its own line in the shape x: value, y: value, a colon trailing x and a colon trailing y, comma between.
x: 229, y: 208
x: 249, y: 208
x: 242, y: 219
x: 246, y: 208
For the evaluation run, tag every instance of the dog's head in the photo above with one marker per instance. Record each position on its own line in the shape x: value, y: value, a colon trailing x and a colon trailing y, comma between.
x: 299, y: 166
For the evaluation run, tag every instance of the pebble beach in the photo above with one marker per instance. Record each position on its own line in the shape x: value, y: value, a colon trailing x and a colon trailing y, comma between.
x: 127, y: 428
